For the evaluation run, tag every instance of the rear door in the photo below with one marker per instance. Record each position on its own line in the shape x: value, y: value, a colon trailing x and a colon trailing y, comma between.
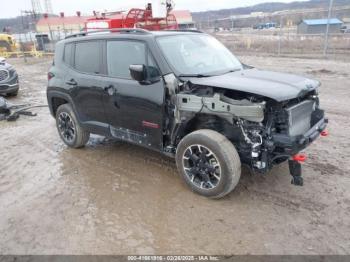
x: 86, y: 80
x: 133, y: 110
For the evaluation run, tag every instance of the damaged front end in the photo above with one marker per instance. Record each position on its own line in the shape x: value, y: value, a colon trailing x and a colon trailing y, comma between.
x: 265, y: 132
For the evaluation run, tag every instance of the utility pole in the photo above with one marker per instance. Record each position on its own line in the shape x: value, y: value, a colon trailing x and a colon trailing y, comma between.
x: 36, y: 6
x: 232, y: 22
x: 327, y: 29
x: 280, y: 36
x: 208, y: 21
x: 20, y: 36
x: 48, y: 7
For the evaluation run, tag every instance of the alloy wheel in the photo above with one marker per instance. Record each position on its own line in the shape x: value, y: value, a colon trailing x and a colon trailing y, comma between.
x: 201, y: 166
x: 66, y: 127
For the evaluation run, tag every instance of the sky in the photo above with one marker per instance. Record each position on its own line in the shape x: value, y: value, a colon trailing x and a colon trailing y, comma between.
x: 13, y: 8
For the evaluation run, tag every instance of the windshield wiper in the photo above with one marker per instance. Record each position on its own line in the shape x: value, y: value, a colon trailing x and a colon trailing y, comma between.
x: 195, y: 75
x: 209, y: 75
x: 230, y: 71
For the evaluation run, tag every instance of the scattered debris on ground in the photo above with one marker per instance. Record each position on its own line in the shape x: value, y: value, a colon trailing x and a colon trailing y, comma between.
x: 11, y: 112
x: 321, y: 71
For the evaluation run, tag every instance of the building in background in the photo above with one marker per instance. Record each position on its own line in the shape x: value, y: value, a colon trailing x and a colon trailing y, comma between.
x: 319, y: 26
x: 184, y: 19
x: 347, y: 21
x: 57, y: 26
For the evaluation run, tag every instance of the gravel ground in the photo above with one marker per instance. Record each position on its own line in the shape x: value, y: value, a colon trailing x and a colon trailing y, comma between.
x: 116, y: 198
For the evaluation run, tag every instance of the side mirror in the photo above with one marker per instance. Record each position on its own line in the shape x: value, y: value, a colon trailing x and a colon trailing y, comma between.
x: 144, y: 75
x: 138, y: 72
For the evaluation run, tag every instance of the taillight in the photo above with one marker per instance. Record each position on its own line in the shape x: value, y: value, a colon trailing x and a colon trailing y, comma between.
x: 50, y: 76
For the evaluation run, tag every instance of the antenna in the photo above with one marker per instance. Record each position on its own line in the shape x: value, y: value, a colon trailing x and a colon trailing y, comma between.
x: 48, y: 6
x: 37, y: 7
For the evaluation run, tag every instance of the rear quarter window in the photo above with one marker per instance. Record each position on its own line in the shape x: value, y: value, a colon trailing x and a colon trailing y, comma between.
x: 68, y: 54
x: 88, y: 57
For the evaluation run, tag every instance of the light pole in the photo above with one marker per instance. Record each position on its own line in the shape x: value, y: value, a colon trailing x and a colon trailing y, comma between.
x: 327, y: 29
x: 280, y: 36
x: 20, y: 37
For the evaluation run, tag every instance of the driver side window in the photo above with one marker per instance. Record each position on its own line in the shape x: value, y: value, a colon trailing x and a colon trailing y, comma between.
x: 122, y: 54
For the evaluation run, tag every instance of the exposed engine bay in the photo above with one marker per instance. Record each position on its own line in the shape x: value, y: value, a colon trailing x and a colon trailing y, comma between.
x: 265, y: 132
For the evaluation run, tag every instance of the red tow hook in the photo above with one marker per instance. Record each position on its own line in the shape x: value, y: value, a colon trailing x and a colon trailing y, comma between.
x: 299, y: 158
x: 324, y: 133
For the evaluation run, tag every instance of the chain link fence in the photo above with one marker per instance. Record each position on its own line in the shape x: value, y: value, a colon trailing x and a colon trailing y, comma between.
x: 286, y: 43
x: 280, y: 33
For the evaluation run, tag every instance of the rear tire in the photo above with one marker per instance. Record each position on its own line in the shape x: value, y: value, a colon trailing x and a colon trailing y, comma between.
x: 69, y: 129
x: 209, y: 163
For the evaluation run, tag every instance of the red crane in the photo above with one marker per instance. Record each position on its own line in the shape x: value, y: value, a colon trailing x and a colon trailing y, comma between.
x: 136, y: 18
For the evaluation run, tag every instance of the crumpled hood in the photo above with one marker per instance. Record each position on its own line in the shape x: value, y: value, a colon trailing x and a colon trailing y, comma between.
x: 277, y: 86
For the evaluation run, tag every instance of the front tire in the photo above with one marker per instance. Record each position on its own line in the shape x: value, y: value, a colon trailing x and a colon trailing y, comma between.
x: 69, y: 129
x: 15, y: 93
x: 208, y: 163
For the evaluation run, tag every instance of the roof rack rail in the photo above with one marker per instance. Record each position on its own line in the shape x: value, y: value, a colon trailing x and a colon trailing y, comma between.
x: 112, y: 30
x: 185, y: 30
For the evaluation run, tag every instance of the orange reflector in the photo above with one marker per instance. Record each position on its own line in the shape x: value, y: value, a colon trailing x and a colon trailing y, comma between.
x: 324, y: 133
x: 299, y: 157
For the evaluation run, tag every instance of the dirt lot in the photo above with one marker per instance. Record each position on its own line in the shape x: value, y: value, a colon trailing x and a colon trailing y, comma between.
x: 116, y: 198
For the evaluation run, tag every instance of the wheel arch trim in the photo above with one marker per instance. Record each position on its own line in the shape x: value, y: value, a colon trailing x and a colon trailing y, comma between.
x: 56, y: 94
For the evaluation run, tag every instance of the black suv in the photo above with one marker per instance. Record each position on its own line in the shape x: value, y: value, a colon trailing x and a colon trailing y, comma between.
x: 187, y: 96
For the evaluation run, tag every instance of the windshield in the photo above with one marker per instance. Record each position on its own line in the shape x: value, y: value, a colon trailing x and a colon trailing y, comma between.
x: 198, y: 55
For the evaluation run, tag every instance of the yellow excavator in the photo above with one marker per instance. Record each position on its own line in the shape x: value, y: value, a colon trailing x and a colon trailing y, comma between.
x: 9, y: 48
x: 7, y: 43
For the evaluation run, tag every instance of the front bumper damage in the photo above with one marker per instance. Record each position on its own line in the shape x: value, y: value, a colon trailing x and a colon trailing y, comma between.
x: 293, y: 145
x: 282, y: 139
x: 264, y: 132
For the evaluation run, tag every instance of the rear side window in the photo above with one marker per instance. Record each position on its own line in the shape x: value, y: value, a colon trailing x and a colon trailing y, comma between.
x: 87, y: 57
x: 122, y: 54
x: 68, y: 53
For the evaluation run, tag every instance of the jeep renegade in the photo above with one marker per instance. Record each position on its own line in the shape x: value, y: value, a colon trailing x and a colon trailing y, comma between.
x: 185, y: 95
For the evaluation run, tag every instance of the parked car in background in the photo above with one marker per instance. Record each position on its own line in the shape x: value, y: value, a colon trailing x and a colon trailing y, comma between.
x: 345, y: 29
x: 265, y: 26
x: 8, y: 79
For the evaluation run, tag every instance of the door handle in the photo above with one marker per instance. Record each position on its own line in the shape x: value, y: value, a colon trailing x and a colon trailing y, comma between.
x: 72, y: 82
x: 106, y: 88
x: 111, y: 90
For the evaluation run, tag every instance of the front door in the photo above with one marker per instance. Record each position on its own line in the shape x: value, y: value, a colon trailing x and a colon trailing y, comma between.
x: 133, y: 110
